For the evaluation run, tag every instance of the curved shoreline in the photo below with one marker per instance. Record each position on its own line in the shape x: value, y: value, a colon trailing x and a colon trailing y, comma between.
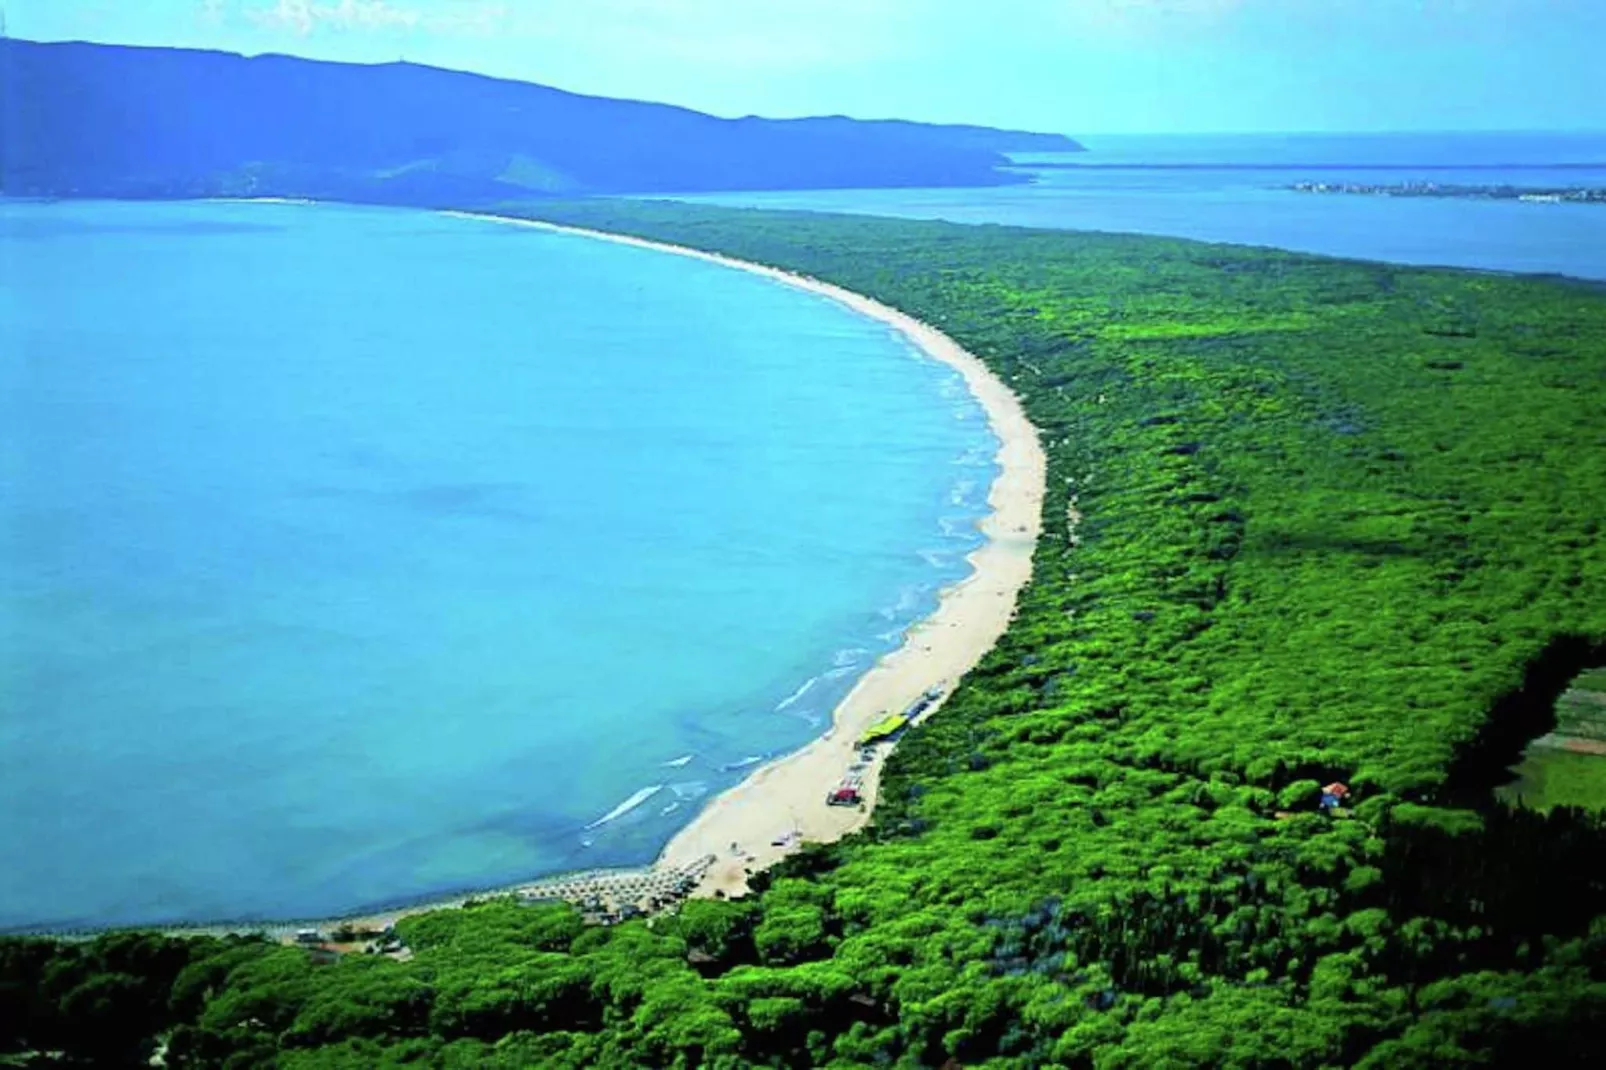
x: 781, y: 805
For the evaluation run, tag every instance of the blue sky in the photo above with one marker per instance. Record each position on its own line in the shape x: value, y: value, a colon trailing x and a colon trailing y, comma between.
x: 1077, y: 66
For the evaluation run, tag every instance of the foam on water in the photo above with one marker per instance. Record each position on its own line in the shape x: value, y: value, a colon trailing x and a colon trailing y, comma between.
x: 625, y: 807
x: 796, y: 696
x: 354, y: 556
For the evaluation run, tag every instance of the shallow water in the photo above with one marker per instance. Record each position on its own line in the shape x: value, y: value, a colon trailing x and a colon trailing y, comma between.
x: 1228, y: 189
x: 353, y: 556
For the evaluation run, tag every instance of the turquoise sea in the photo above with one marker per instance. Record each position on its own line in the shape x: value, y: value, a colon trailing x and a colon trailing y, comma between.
x: 354, y: 556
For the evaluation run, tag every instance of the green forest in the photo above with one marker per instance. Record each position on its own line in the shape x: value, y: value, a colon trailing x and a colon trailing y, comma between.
x: 1340, y: 521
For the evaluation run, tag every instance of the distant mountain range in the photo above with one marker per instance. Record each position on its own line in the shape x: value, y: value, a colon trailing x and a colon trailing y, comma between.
x: 112, y: 121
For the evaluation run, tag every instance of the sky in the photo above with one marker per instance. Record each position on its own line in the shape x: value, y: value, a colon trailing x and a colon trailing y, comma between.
x: 1069, y: 66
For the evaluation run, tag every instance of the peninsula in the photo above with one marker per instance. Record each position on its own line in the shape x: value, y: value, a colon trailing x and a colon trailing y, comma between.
x: 1314, y: 563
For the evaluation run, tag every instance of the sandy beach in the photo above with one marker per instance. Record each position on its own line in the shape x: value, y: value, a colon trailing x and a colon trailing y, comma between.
x: 782, y: 804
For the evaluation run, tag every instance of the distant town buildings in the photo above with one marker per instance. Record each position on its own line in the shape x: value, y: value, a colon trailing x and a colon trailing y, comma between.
x: 1571, y: 195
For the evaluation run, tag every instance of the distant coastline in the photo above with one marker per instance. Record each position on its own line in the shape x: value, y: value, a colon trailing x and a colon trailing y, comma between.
x: 1284, y: 165
x: 1530, y: 194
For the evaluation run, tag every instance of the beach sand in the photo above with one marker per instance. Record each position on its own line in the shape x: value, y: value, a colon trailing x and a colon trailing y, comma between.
x: 782, y: 804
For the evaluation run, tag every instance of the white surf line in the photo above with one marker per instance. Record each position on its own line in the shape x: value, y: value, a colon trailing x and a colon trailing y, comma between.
x: 628, y: 805
x: 794, y: 697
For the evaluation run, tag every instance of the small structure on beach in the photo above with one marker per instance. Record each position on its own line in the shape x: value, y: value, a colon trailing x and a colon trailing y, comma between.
x: 893, y: 723
x: 884, y: 729
x: 847, y: 793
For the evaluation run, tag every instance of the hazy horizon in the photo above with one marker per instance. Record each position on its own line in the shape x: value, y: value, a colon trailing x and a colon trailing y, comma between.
x: 1095, y: 68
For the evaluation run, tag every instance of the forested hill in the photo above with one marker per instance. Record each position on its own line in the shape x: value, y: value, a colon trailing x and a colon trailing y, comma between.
x: 113, y: 121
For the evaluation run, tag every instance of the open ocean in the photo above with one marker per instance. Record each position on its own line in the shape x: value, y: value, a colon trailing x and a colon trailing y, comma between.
x: 353, y: 556
x: 1225, y: 188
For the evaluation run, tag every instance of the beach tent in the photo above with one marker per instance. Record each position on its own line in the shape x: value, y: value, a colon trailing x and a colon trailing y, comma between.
x: 885, y: 728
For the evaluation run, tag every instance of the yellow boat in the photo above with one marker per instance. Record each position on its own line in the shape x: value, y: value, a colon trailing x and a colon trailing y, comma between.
x: 888, y: 726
